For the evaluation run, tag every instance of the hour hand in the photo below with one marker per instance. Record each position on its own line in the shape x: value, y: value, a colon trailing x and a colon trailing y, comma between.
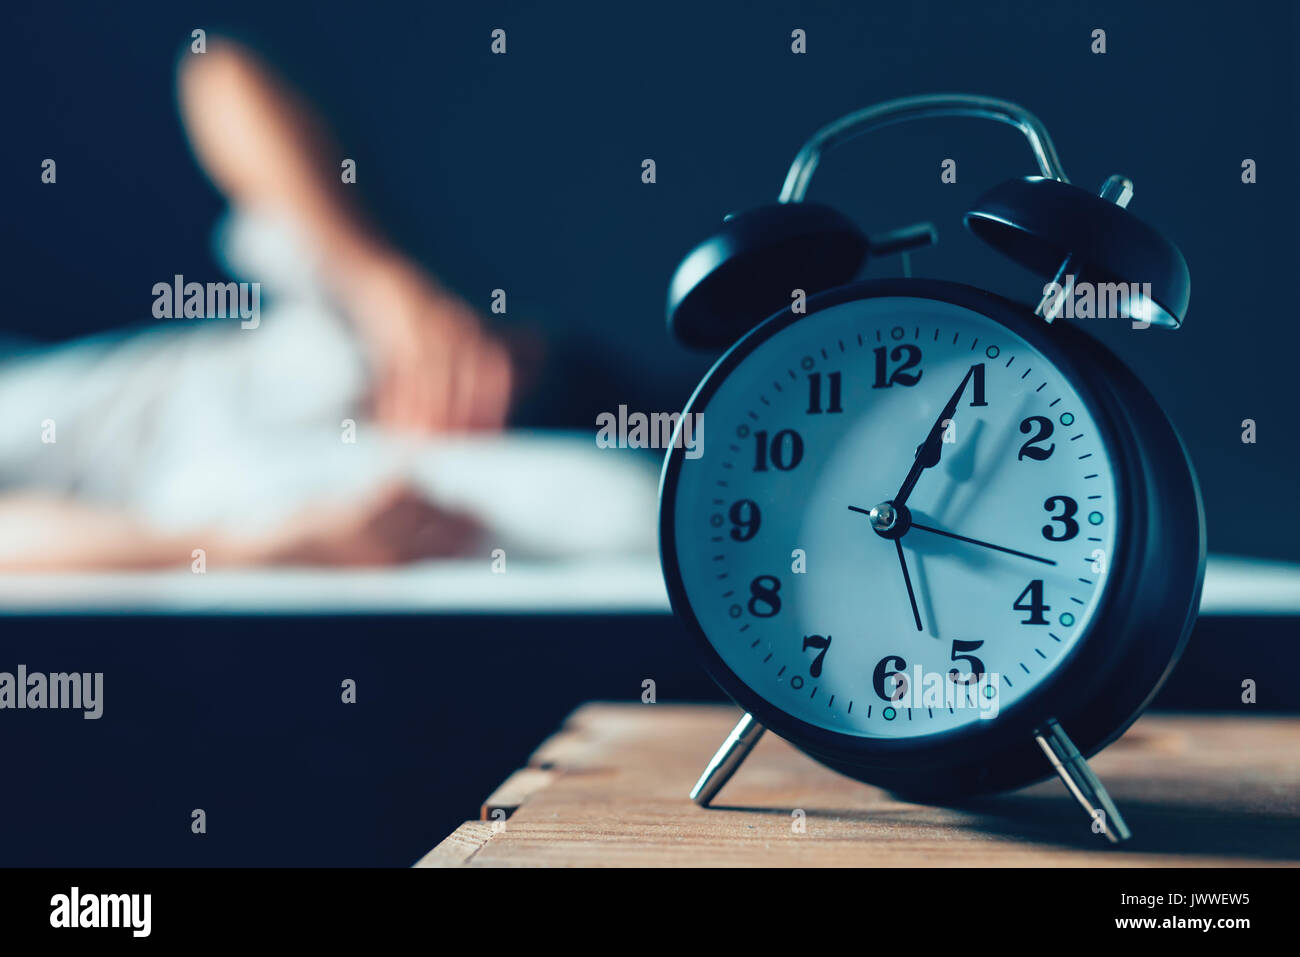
x: 928, y: 452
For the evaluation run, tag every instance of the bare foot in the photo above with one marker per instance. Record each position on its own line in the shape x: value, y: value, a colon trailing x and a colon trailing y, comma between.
x: 396, y: 525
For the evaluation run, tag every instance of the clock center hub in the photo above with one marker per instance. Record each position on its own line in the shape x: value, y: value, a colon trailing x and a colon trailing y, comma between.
x: 890, y: 520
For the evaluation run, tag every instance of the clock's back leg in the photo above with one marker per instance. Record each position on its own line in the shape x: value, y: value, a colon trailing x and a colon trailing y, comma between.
x: 1083, y: 784
x: 728, y: 758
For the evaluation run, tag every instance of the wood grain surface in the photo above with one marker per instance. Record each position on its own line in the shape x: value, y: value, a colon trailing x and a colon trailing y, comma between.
x: 610, y: 789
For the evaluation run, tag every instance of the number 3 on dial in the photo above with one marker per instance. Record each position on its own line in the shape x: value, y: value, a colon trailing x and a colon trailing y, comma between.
x: 1069, y: 527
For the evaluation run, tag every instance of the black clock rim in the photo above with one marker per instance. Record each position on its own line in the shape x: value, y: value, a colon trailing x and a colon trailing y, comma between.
x: 1103, y: 650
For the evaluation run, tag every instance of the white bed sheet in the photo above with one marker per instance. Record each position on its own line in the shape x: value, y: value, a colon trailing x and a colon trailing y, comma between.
x: 627, y: 585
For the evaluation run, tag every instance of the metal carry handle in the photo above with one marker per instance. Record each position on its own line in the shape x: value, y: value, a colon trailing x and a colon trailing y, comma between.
x: 919, y: 108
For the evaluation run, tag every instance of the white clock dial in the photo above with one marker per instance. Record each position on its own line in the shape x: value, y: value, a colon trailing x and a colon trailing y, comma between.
x: 1010, y: 535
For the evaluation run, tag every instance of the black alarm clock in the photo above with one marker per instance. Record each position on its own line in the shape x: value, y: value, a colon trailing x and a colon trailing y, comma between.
x: 932, y: 528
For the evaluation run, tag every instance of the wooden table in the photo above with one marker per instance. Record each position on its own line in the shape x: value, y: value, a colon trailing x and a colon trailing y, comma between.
x: 610, y: 789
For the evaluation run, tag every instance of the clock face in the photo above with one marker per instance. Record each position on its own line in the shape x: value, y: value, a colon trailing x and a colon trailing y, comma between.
x: 860, y: 617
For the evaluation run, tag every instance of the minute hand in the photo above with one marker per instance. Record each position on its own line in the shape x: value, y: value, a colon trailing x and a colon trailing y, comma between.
x: 928, y: 454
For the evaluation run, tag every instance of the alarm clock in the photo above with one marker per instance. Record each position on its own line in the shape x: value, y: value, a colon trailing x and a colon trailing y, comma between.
x: 942, y: 541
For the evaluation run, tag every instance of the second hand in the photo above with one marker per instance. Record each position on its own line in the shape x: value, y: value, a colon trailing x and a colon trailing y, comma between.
x: 976, y: 541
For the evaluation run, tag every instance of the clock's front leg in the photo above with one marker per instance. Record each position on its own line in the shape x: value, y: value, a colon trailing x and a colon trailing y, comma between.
x: 728, y: 758
x: 1083, y: 784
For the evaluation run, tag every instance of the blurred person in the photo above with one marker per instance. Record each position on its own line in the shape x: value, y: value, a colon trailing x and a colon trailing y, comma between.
x: 435, y: 367
x: 213, y: 436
